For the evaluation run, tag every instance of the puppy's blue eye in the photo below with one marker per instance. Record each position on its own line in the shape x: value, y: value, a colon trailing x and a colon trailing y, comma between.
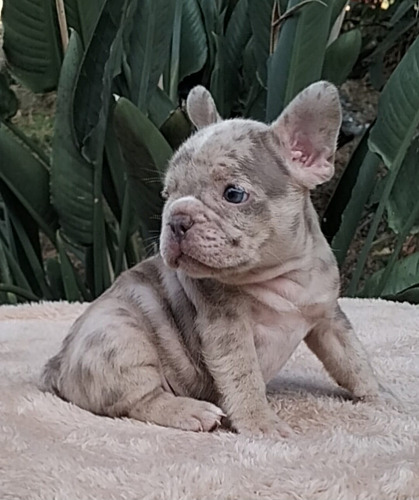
x: 235, y: 194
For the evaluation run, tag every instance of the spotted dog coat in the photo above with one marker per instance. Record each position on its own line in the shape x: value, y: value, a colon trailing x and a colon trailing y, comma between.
x: 193, y: 334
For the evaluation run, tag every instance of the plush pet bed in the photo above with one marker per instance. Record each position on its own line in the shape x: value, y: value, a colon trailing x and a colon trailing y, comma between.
x: 50, y: 449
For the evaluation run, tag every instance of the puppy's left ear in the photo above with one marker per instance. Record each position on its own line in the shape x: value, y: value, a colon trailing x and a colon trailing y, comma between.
x: 201, y: 108
x: 308, y: 129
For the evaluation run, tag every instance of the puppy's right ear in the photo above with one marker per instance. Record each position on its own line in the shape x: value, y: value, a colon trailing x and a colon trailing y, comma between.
x: 201, y: 108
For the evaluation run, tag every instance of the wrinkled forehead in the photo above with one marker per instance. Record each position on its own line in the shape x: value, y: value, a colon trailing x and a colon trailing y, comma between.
x: 242, y: 148
x: 229, y: 140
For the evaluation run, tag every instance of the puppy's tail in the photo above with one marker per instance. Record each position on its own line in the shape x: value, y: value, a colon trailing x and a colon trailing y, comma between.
x: 51, y: 375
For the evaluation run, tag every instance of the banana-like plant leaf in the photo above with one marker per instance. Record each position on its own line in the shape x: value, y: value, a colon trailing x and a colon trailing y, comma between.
x: 410, y: 295
x: 32, y: 42
x: 193, y: 40
x: 28, y: 179
x: 390, y: 137
x: 175, y: 52
x: 404, y: 195
x: 341, y: 56
x: 176, y: 129
x: 148, y: 47
x: 146, y: 153
x: 217, y: 87
x: 83, y: 16
x: 299, y: 54
x: 253, y: 97
x: 398, y: 111
x: 345, y: 208
x: 404, y: 275
x: 237, y: 35
x: 337, y: 7
x: 376, y: 68
x: 92, y: 94
x: 212, y: 20
x: 260, y: 15
x: 71, y: 175
x: 160, y: 107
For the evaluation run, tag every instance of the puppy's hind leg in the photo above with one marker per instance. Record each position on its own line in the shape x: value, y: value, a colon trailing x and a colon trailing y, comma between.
x: 336, y: 345
x: 144, y: 395
x: 164, y: 408
x: 168, y: 410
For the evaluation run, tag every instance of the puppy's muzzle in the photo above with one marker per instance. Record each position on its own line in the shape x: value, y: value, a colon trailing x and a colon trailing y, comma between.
x: 180, y: 224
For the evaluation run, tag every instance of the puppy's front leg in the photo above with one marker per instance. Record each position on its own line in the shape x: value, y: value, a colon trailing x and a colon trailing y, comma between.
x: 336, y: 345
x: 230, y: 354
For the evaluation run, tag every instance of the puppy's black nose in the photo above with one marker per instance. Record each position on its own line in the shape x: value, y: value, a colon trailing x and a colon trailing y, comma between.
x: 180, y: 224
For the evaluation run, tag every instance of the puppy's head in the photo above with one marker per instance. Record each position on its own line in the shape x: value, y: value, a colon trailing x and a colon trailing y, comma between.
x: 234, y: 189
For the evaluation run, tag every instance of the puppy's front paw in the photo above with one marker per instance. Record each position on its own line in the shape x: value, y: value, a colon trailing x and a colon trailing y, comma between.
x: 263, y: 425
x: 198, y: 416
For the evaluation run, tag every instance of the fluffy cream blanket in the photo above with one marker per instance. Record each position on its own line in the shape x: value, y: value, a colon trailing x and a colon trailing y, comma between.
x: 50, y: 449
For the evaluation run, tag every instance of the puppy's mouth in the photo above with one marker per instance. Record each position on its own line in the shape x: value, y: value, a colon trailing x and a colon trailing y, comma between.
x: 195, y: 268
x: 177, y: 258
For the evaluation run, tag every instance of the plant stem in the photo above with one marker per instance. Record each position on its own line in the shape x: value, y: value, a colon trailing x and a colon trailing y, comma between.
x: 62, y: 21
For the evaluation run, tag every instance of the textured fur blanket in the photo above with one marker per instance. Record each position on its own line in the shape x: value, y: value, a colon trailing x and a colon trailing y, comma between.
x: 52, y: 449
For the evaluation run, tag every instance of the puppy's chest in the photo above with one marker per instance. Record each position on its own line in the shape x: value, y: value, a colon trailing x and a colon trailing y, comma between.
x: 277, y: 335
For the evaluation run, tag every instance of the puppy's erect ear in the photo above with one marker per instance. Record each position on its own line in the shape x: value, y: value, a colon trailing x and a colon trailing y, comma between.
x: 201, y: 107
x: 308, y: 129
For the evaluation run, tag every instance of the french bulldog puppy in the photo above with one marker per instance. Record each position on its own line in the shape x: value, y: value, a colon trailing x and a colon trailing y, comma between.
x: 245, y: 274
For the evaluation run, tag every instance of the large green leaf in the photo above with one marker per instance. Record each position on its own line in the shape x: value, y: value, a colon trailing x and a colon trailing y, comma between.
x: 346, y: 206
x: 260, y: 15
x: 341, y: 56
x: 176, y: 129
x: 299, y: 54
x: 160, y: 107
x: 404, y: 275
x: 102, y: 61
x: 397, y: 121
x: 409, y: 295
x: 253, y: 97
x: 82, y: 16
x: 146, y: 154
x: 376, y: 67
x: 213, y: 23
x: 404, y: 196
x: 398, y: 111
x: 237, y: 35
x: 193, y: 41
x: 217, y: 87
x: 148, y: 50
x: 92, y: 93
x: 28, y: 179
x: 32, y: 42
x: 71, y: 175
